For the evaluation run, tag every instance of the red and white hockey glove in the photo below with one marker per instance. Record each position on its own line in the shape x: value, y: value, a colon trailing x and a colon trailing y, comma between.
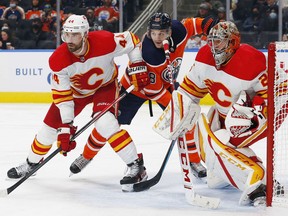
x: 64, y: 134
x: 138, y: 75
x: 243, y: 119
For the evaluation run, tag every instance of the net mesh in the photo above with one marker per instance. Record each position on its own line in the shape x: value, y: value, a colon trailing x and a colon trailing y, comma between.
x: 280, y: 125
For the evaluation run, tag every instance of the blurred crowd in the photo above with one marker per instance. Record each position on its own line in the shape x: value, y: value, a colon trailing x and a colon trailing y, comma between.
x: 32, y: 24
x: 257, y: 20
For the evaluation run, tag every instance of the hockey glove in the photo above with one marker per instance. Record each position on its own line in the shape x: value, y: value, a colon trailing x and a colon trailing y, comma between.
x: 172, y: 45
x: 64, y: 134
x: 243, y: 120
x: 208, y: 23
x: 138, y: 75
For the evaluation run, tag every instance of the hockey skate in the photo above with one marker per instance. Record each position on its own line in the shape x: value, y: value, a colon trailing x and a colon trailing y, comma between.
x: 21, y: 170
x: 258, y: 196
x: 79, y: 164
x: 198, y: 170
x: 135, y: 172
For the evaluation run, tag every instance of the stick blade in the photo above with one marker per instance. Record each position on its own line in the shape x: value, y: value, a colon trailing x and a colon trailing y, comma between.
x: 203, y: 201
x: 3, y: 193
x: 145, y: 185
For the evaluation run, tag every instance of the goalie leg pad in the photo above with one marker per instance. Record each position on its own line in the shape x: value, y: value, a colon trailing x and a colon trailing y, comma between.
x: 227, y: 163
x: 179, y: 116
x: 215, y: 182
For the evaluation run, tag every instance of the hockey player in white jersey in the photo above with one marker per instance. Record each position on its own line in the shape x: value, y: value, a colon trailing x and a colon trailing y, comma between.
x: 235, y: 76
x: 84, y: 72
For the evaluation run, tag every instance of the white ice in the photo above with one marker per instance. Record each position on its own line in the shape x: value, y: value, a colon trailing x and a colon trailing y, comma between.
x: 96, y: 190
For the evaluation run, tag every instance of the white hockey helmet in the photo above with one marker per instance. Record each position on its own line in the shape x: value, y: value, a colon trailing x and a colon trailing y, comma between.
x: 224, y: 40
x: 76, y: 23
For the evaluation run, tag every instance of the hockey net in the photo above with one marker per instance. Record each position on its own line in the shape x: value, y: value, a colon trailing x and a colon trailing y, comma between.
x: 277, y: 139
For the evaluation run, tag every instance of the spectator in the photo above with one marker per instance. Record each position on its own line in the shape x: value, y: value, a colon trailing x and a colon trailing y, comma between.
x: 7, y: 41
x: 284, y: 37
x: 5, y: 26
x: 70, y: 6
x: 34, y: 11
x: 36, y: 38
x: 285, y: 21
x: 271, y: 15
x: 94, y: 23
x: 90, y: 3
x: 2, y: 8
x: 108, y: 13
x: 49, y: 17
x: 255, y: 22
x: 203, y: 10
x: 242, y: 10
x: 50, y: 2
x: 221, y: 13
x: 13, y: 12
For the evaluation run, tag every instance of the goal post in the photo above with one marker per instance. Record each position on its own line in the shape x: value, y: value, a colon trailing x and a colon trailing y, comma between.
x: 277, y: 137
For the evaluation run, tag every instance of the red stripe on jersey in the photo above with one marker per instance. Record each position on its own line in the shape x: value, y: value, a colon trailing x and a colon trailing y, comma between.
x: 61, y: 96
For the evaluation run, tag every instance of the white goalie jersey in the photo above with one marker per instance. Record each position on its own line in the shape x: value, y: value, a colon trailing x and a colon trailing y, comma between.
x: 246, y: 71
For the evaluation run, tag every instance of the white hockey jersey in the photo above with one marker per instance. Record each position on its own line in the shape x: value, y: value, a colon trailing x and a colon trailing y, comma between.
x: 80, y: 77
x: 246, y: 70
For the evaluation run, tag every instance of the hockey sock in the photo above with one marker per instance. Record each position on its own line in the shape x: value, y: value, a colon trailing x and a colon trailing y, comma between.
x: 94, y: 144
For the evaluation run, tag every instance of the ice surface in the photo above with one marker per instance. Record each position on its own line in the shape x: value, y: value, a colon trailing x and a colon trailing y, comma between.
x: 96, y: 190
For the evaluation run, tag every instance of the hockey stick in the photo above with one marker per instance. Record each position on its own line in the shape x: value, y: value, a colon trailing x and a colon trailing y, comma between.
x: 145, y: 185
x: 8, y: 190
x: 191, y: 197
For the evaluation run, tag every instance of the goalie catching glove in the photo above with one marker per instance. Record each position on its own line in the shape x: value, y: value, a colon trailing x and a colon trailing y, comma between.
x: 64, y: 135
x: 138, y: 74
x: 244, y: 118
x: 179, y: 116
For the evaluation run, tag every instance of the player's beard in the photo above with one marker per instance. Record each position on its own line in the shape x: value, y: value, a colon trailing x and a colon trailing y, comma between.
x: 73, y: 47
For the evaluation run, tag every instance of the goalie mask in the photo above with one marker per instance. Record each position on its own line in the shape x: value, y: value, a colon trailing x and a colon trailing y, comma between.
x: 224, y: 40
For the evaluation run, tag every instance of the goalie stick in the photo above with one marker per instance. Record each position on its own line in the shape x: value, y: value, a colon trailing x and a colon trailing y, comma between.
x: 190, y: 195
x: 8, y: 190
